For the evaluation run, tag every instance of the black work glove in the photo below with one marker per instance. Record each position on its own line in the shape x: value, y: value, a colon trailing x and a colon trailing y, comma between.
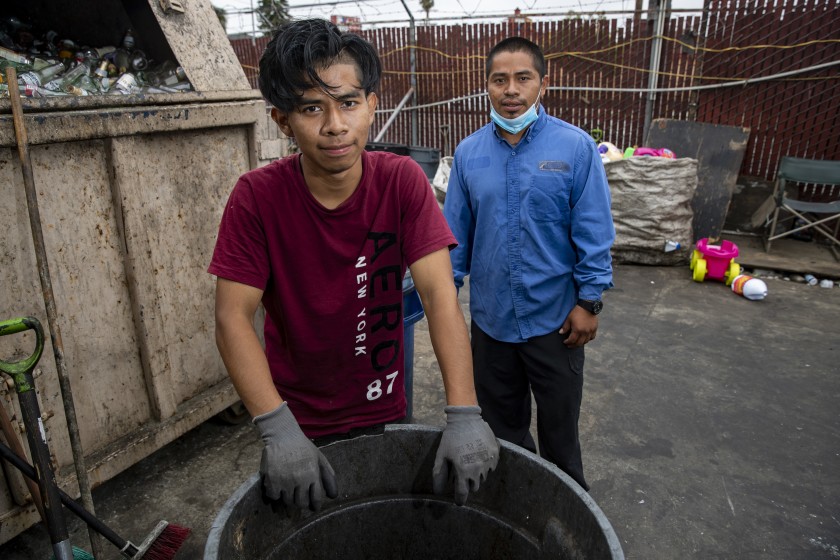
x: 293, y: 469
x: 468, y: 449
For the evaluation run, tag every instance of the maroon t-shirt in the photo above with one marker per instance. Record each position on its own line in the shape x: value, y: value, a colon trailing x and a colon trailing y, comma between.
x: 332, y: 282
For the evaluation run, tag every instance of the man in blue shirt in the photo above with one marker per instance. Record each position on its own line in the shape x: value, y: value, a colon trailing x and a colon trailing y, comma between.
x: 529, y: 203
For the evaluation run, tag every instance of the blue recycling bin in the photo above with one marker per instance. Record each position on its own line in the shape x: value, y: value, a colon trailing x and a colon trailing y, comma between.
x: 412, y: 312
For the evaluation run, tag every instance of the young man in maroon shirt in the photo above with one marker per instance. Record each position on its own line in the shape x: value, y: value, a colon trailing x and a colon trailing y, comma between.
x: 322, y: 239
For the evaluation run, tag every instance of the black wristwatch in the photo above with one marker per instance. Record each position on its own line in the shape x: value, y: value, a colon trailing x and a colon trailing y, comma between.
x: 593, y: 306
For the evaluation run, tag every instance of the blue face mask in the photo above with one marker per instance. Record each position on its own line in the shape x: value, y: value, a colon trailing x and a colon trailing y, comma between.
x: 518, y: 124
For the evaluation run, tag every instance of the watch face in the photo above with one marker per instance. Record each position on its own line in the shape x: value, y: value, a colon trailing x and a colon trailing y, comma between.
x: 593, y: 306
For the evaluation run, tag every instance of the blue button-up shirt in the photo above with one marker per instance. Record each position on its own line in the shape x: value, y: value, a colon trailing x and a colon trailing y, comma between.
x: 533, y: 225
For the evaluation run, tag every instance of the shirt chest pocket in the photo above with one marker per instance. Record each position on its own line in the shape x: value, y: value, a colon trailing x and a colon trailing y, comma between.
x: 548, y: 199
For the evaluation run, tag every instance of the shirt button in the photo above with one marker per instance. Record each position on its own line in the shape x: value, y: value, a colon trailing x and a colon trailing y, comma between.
x: 513, y: 153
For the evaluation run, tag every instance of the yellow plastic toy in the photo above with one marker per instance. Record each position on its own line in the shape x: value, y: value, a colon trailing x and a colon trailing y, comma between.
x: 715, y: 261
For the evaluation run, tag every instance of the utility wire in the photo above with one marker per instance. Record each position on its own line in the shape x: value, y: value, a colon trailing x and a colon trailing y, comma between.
x: 743, y: 82
x: 581, y: 55
x: 617, y: 46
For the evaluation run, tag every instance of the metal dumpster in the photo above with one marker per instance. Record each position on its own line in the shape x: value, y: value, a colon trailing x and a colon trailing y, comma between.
x: 526, y: 509
x: 131, y: 190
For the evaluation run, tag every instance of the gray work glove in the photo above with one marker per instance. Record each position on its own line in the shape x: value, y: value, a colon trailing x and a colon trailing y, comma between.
x: 293, y: 469
x: 467, y: 447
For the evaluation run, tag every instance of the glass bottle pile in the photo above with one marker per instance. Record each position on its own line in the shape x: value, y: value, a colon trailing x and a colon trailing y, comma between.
x: 48, y: 65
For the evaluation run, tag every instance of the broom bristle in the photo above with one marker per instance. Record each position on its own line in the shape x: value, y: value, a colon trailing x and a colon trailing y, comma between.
x: 168, y: 543
x: 80, y: 554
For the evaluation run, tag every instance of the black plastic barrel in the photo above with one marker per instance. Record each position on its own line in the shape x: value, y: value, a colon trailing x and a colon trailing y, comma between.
x: 427, y: 158
x: 412, y: 312
x: 527, y: 509
x: 393, y: 147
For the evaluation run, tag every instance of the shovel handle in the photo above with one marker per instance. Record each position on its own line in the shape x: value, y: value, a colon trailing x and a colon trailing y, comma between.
x: 21, y: 367
x: 21, y: 371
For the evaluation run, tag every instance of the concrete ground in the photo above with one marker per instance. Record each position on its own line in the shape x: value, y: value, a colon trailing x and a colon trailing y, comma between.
x: 710, y: 429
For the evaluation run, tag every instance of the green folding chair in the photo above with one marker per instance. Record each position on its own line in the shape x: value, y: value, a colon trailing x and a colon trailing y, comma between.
x: 820, y: 177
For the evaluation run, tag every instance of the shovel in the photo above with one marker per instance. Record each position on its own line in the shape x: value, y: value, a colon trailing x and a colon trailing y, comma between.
x: 21, y: 373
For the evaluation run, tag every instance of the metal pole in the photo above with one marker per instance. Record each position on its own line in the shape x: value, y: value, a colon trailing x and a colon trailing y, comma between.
x: 444, y: 128
x: 253, y: 26
x: 49, y: 304
x: 393, y: 116
x: 412, y: 39
x: 699, y: 56
x: 655, y: 57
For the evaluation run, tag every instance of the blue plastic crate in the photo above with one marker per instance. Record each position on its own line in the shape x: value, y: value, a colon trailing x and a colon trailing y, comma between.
x: 412, y: 312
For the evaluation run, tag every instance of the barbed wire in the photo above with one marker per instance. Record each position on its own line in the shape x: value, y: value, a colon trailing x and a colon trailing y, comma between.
x: 463, y: 14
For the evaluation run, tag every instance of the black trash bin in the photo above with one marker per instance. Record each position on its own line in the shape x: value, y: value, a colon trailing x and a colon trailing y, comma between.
x: 392, y: 147
x: 427, y: 158
x: 526, y: 509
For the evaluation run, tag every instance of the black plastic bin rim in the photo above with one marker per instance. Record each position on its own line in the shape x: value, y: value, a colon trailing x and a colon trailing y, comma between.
x: 214, y: 542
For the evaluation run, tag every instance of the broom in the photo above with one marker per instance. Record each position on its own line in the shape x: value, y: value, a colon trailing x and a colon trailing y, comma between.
x: 16, y: 447
x: 161, y: 544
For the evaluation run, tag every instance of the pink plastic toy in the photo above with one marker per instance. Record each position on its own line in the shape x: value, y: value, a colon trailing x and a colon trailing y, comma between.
x: 715, y: 261
x: 656, y: 152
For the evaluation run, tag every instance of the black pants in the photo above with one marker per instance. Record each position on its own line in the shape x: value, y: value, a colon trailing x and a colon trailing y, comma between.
x: 505, y: 375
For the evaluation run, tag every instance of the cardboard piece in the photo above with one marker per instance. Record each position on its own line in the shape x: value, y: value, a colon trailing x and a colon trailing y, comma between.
x: 719, y: 149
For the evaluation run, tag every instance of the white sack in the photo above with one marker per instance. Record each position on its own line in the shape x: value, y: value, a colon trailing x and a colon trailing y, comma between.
x: 651, y: 204
x: 441, y: 180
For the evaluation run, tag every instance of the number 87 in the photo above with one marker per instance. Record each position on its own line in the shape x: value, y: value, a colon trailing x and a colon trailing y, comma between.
x: 375, y: 388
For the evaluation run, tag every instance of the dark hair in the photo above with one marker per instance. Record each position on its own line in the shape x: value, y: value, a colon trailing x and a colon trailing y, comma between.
x: 299, y: 49
x: 517, y: 44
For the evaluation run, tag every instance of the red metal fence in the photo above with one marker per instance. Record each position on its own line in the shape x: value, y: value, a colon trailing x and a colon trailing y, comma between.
x: 600, y: 70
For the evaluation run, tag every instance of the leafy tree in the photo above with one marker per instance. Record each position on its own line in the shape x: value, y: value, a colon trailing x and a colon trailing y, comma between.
x: 222, y: 15
x: 427, y: 5
x: 272, y: 13
x: 591, y: 16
